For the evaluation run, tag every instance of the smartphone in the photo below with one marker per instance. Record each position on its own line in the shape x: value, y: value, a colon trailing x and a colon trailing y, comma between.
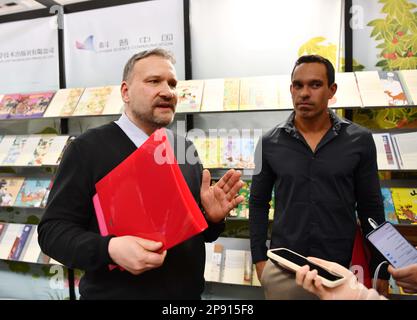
x: 392, y: 245
x: 294, y: 261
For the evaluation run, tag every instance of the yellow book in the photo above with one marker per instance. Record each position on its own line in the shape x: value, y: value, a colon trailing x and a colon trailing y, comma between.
x: 405, y: 203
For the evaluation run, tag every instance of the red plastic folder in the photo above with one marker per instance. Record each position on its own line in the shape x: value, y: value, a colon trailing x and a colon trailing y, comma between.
x: 147, y: 196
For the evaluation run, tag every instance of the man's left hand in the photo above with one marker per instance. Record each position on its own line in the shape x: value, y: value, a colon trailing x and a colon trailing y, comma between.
x: 219, y: 199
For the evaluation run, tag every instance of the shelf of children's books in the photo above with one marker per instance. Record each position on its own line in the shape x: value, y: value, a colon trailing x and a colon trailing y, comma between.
x: 291, y: 109
x: 409, y: 231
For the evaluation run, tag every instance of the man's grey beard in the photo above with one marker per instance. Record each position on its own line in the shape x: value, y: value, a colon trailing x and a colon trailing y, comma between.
x: 157, y: 123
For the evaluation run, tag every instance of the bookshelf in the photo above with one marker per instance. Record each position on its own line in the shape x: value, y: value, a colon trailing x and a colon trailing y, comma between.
x: 191, y: 111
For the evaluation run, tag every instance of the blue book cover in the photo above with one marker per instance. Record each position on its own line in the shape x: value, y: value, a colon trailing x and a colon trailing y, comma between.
x: 20, y: 242
x: 32, y: 193
x: 389, y: 206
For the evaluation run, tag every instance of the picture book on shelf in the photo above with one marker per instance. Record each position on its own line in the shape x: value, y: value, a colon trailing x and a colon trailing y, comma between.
x: 9, y: 189
x: 32, y: 192
x: 7, y: 104
x: 31, y: 105
x: 20, y: 242
x: 409, y: 80
x: 190, y: 94
x: 64, y: 102
x: 231, y: 95
x: 93, y: 101
x: 213, y: 95
x: 371, y: 89
x: 14, y: 150
x: 259, y: 93
x: 405, y: 204
x: 393, y: 88
x: 389, y: 206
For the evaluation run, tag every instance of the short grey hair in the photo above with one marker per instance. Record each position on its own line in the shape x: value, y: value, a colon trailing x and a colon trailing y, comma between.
x: 127, y: 71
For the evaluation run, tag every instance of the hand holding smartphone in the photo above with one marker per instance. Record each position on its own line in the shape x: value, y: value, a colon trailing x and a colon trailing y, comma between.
x: 393, y: 246
x: 294, y: 261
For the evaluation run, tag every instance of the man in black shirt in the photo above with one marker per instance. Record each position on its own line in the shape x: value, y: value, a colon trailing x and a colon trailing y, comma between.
x: 68, y: 231
x: 323, y: 169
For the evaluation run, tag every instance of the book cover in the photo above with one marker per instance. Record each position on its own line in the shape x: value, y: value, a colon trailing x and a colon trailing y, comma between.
x: 93, y: 101
x: 64, y: 102
x: 8, y: 103
x: 32, y: 249
x: 347, y: 94
x: 214, y: 262
x: 15, y: 150
x: 32, y: 193
x: 234, y: 267
x: 114, y: 103
x: 190, y: 94
x: 247, y: 154
x: 389, y: 206
x: 2, y: 228
x: 393, y: 89
x: 8, y: 239
x: 28, y: 150
x: 201, y: 147
x: 212, y: 152
x: 9, y: 189
x: 386, y: 157
x: 406, y: 149
x: 213, y: 94
x: 31, y: 105
x: 5, y: 145
x: 259, y: 93
x: 285, y: 98
x: 20, y: 242
x: 371, y: 89
x: 409, y: 80
x: 48, y: 150
x: 45, y: 198
x: 231, y: 94
x: 231, y: 151
x: 405, y: 204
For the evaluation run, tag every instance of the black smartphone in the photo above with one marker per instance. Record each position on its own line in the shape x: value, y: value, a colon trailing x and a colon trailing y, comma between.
x: 392, y: 245
x: 294, y: 261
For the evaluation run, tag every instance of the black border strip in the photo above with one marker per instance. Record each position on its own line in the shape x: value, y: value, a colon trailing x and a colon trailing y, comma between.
x: 348, y: 37
x: 97, y: 4
x: 187, y: 40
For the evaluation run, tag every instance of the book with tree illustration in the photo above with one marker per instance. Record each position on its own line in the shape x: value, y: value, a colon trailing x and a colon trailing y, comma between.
x: 405, y: 203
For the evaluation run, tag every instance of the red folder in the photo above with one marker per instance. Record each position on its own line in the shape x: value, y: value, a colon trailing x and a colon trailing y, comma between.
x: 147, y: 196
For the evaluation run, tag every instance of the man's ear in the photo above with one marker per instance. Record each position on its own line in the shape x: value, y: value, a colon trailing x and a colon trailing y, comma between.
x: 124, y: 89
x: 332, y: 90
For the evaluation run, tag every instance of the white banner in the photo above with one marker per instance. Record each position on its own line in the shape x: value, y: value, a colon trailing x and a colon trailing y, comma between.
x: 239, y: 38
x: 29, y: 56
x: 99, y: 42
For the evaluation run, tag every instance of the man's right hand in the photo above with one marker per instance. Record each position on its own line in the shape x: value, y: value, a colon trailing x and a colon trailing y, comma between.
x: 260, y: 268
x: 136, y: 255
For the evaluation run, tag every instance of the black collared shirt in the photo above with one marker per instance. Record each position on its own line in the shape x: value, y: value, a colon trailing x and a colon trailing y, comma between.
x: 316, y: 193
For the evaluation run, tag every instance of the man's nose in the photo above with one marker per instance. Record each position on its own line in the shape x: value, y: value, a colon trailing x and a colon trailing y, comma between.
x: 167, y: 91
